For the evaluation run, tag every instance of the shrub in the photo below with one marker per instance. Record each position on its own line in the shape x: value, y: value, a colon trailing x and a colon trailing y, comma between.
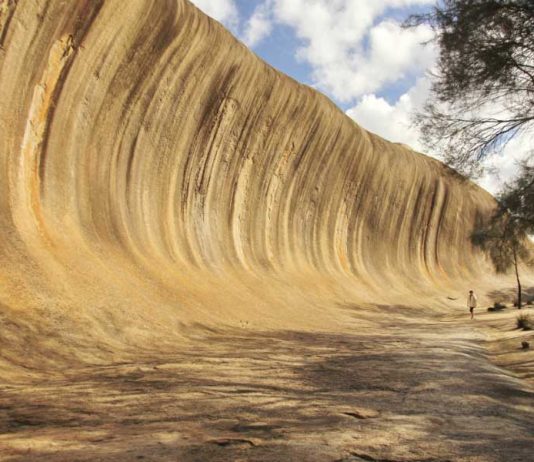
x: 525, y: 322
x: 497, y: 306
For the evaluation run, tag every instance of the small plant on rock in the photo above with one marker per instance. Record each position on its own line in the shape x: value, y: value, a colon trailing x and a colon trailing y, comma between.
x: 497, y: 306
x: 525, y: 322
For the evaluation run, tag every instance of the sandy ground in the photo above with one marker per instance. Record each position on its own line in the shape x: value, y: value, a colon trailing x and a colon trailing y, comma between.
x: 439, y: 389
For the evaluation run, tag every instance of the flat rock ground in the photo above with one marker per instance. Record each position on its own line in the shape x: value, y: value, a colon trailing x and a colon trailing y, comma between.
x: 413, y: 390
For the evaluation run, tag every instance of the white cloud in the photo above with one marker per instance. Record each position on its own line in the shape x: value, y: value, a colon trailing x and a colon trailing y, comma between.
x: 350, y: 50
x: 259, y: 25
x: 224, y: 11
x: 393, y: 121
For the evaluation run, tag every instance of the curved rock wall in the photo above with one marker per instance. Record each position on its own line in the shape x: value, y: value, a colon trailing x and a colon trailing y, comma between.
x: 155, y: 171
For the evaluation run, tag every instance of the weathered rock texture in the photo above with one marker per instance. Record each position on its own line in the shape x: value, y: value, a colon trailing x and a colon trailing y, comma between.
x: 156, y: 174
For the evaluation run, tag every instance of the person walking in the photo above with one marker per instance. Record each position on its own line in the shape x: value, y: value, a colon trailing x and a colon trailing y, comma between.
x: 472, y: 303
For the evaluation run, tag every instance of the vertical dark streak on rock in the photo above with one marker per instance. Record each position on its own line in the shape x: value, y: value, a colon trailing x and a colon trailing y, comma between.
x: 414, y: 232
x: 11, y: 6
x: 148, y: 47
x: 130, y: 162
x: 428, y: 229
x: 439, y: 226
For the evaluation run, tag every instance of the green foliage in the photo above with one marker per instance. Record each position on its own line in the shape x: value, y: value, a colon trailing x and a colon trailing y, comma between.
x: 482, y: 94
x: 504, y: 239
x: 518, y: 197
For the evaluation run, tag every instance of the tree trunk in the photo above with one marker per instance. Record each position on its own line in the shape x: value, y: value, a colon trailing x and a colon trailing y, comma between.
x: 518, y: 281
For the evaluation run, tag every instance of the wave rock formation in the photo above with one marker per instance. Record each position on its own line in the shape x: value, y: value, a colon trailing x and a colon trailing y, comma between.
x: 156, y: 175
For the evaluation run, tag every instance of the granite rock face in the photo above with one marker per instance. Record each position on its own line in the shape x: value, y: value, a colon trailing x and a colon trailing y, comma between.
x: 155, y: 174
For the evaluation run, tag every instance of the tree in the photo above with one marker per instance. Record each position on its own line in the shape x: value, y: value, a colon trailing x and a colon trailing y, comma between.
x: 482, y: 97
x: 482, y: 92
x: 506, y: 237
x: 518, y: 197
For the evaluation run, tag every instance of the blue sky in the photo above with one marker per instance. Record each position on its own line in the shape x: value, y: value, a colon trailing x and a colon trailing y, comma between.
x: 280, y: 48
x: 355, y: 52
